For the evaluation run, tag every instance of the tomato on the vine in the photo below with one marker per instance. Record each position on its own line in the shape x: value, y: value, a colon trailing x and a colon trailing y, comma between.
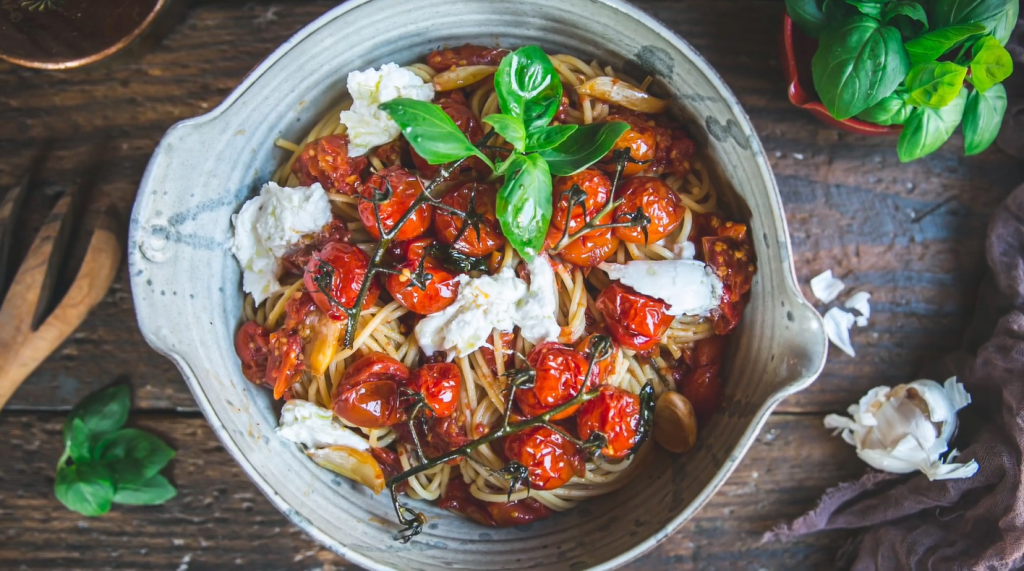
x: 634, y: 320
x: 603, y: 368
x: 639, y: 139
x: 615, y: 413
x: 587, y: 251
x: 550, y: 458
x: 657, y: 200
x: 334, y: 277
x: 326, y: 161
x: 367, y: 395
x: 439, y: 383
x: 597, y: 190
x: 560, y: 372
x: 405, y: 189
x: 439, y: 291
x: 450, y: 226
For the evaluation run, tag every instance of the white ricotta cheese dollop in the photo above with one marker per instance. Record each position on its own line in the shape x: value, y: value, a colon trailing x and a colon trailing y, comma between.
x: 268, y: 226
x: 689, y: 287
x: 314, y: 427
x: 367, y: 125
x: 501, y: 302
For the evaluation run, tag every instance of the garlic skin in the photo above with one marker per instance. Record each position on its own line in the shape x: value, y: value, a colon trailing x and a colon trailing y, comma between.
x: 907, y: 428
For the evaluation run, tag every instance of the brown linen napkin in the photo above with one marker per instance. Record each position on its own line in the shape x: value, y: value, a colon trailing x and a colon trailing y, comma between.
x: 914, y: 524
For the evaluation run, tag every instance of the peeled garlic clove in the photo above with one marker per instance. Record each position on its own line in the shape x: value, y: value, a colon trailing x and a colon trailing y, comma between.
x: 462, y: 76
x: 621, y: 93
x: 354, y: 464
x: 321, y: 343
x: 675, y: 422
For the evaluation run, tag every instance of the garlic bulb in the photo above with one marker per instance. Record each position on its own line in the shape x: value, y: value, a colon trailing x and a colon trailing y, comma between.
x: 907, y: 428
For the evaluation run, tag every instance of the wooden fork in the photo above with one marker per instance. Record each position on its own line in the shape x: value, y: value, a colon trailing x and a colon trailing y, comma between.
x: 27, y: 335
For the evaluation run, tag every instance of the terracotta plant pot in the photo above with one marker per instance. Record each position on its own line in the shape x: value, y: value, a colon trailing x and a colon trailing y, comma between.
x: 795, y: 52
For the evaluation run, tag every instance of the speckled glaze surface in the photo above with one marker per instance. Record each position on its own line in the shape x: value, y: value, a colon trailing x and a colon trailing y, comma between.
x: 187, y: 294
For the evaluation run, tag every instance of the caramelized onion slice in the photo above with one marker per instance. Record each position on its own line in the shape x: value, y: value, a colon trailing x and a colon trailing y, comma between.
x: 355, y: 465
x: 462, y: 76
x: 621, y: 93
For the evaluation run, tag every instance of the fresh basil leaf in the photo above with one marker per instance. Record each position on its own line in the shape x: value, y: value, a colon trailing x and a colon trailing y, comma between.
x: 930, y: 46
x: 512, y: 163
x: 547, y: 137
x: 808, y: 15
x: 584, y: 147
x: 134, y: 455
x: 528, y: 87
x: 908, y: 16
x: 857, y: 64
x: 509, y: 127
x: 524, y: 206
x: 891, y: 110
x: 871, y: 8
x: 431, y: 131
x: 990, y: 65
x: 998, y: 17
x: 102, y: 412
x: 927, y: 129
x: 152, y: 491
x: 80, y: 442
x: 934, y: 84
x: 983, y: 117
x: 86, y: 488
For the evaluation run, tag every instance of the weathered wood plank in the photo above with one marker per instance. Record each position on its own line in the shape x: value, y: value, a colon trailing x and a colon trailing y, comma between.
x: 220, y: 520
x: 850, y: 204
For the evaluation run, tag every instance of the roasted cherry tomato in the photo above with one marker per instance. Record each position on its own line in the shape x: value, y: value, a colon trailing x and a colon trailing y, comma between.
x: 639, y: 139
x: 597, y: 189
x: 391, y: 154
x: 295, y: 262
x: 603, y: 368
x: 674, y: 151
x: 466, y: 54
x: 508, y: 340
x: 560, y: 373
x: 439, y: 291
x: 467, y: 122
x: 326, y: 161
x: 338, y: 271
x: 703, y: 388
x: 450, y: 226
x: 562, y: 115
x: 657, y: 200
x: 615, y: 413
x: 405, y: 188
x: 588, y: 250
x: 705, y: 352
x: 367, y: 395
x: 520, y: 512
x: 732, y: 260
x: 439, y: 383
x: 550, y: 458
x: 252, y: 344
x: 284, y: 366
x: 410, y: 250
x: 390, y: 464
x: 634, y: 320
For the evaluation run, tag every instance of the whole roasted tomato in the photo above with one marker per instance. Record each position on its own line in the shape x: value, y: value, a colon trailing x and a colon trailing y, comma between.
x: 367, y: 395
x: 466, y: 54
x: 634, y: 320
x: 405, y: 188
x: 560, y: 373
x: 295, y: 261
x: 657, y: 200
x: 334, y: 277
x: 699, y: 380
x: 439, y: 291
x: 639, y: 139
x: 603, y: 368
x: 326, y: 161
x: 615, y: 413
x: 674, y: 151
x: 252, y: 344
x: 519, y: 512
x: 550, y: 459
x: 478, y: 240
x: 439, y: 384
x: 596, y: 189
x: 587, y: 251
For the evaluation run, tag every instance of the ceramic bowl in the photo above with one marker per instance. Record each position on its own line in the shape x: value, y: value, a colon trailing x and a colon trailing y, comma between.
x: 186, y: 284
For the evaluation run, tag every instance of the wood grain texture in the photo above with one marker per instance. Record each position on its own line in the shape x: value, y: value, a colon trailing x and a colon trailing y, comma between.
x: 221, y: 521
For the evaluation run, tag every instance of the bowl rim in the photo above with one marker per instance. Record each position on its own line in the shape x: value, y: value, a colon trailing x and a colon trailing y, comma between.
x: 817, y: 355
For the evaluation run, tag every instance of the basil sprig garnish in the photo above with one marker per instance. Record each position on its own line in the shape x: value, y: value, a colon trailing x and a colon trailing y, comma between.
x: 104, y: 463
x: 529, y: 93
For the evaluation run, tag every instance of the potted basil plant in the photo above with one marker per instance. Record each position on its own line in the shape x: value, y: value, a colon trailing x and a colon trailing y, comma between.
x: 928, y: 66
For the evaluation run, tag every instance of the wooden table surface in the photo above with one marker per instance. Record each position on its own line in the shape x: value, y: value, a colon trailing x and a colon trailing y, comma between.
x: 912, y: 235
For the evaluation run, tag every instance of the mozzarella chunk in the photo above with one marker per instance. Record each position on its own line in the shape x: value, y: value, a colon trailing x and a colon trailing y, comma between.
x: 825, y: 287
x: 268, y: 226
x: 536, y: 311
x: 689, y: 287
x: 367, y: 125
x: 314, y: 427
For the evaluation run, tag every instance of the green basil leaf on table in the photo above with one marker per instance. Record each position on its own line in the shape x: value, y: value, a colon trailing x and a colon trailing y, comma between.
x: 998, y: 17
x: 990, y: 65
x: 908, y: 16
x: 871, y: 8
x: 857, y: 64
x: 934, y: 84
x: 528, y: 87
x: 930, y: 46
x: 80, y: 442
x: 982, y: 118
x: 133, y: 455
x: 891, y: 110
x: 547, y: 137
x: 927, y: 129
x: 511, y: 128
x: 86, y: 488
x: 584, y: 147
x: 152, y: 491
x: 431, y: 131
x: 808, y: 15
x: 102, y: 412
x: 524, y: 206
